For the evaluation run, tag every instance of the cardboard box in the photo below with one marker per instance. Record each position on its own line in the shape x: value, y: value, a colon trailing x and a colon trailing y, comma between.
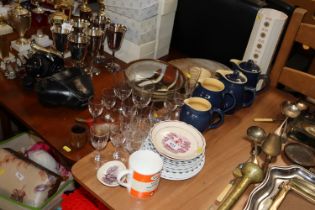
x: 141, y: 35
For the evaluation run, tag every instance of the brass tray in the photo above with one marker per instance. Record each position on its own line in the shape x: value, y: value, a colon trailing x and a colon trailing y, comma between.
x: 260, y: 197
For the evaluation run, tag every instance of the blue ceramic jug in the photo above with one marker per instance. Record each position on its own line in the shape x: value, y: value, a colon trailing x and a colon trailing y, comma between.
x: 235, y: 83
x: 214, y: 91
x: 199, y: 113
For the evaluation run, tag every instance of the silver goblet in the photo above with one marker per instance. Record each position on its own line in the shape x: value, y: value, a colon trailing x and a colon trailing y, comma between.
x: 115, y: 34
x: 59, y: 36
x: 78, y: 44
x: 95, y: 35
x: 99, y: 20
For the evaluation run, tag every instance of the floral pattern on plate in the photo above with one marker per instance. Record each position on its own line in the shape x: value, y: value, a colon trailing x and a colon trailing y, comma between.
x: 107, y: 173
x: 176, y: 143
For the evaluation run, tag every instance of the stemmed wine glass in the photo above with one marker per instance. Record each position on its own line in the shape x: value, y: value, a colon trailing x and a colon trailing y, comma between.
x: 109, y: 101
x: 96, y: 106
x: 122, y: 91
x: 141, y: 96
x: 99, y: 136
x: 114, y: 33
x: 78, y: 45
x: 193, y: 76
x: 95, y: 35
x: 118, y: 139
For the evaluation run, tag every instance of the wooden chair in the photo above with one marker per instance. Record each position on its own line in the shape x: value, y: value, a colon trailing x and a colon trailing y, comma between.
x: 301, y: 32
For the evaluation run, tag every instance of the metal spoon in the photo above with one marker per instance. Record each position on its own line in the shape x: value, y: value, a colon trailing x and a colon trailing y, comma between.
x: 290, y: 110
x: 256, y: 135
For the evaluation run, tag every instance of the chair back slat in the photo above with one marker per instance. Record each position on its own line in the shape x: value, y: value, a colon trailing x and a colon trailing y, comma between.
x: 304, y: 33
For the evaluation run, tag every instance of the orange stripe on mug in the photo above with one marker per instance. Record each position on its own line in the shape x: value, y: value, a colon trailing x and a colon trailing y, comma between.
x: 145, y: 178
x: 138, y: 194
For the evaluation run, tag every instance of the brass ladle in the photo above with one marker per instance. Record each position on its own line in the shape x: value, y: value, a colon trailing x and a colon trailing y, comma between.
x: 251, y: 173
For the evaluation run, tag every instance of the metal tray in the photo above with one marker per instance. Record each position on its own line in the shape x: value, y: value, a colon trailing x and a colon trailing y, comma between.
x: 259, y: 199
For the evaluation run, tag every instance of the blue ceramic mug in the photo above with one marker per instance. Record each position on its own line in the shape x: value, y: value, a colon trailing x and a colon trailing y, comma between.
x: 199, y: 113
x: 214, y: 91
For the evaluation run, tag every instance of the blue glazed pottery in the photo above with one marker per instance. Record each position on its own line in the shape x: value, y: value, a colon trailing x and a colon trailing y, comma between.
x: 214, y: 91
x: 235, y: 84
x: 199, y: 113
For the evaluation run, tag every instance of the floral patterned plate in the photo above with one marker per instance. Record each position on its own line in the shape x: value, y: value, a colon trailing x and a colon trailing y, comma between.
x: 107, y: 173
x: 177, y: 140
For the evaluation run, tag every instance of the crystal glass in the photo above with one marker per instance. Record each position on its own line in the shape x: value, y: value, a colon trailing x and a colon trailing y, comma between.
x: 136, y: 132
x: 193, y: 76
x: 96, y: 106
x: 78, y: 44
x: 122, y: 91
x: 109, y: 101
x: 118, y: 140
x: 141, y: 96
x: 95, y: 35
x: 115, y: 34
x: 179, y: 98
x: 99, y: 136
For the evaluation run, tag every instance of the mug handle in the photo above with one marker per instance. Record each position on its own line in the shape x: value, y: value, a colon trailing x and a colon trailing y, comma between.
x: 229, y: 107
x: 252, y: 94
x: 221, y: 116
x: 122, y: 174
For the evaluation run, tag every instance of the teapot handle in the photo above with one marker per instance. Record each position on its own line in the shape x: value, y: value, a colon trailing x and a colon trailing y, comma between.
x: 219, y: 122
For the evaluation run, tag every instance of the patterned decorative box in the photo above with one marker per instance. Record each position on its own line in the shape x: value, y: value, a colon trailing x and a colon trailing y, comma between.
x: 20, y: 143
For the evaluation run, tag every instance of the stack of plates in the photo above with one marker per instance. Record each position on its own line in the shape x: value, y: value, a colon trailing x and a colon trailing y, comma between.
x: 181, y: 147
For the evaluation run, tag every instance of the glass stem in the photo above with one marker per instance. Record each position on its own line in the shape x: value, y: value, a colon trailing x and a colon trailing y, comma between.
x: 113, y: 59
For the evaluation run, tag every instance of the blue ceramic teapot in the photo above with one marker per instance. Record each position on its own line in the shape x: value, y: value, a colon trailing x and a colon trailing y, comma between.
x: 235, y: 84
x: 249, y: 69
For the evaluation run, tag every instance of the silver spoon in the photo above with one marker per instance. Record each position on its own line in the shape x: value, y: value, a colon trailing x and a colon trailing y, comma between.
x: 257, y: 135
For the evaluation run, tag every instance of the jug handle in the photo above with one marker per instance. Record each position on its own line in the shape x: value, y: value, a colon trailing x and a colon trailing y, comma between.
x: 253, y: 94
x: 232, y: 106
x: 221, y: 116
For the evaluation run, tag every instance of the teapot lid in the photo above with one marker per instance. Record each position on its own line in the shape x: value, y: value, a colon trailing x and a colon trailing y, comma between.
x: 236, y: 77
x: 249, y: 66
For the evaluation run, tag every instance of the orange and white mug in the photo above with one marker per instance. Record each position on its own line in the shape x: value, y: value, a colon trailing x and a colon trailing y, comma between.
x: 143, y: 175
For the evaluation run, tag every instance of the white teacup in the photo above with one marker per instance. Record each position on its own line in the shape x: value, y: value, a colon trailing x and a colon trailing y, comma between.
x: 143, y: 175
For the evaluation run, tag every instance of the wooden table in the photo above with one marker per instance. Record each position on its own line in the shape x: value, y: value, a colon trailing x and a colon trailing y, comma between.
x: 226, y: 148
x: 52, y: 124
